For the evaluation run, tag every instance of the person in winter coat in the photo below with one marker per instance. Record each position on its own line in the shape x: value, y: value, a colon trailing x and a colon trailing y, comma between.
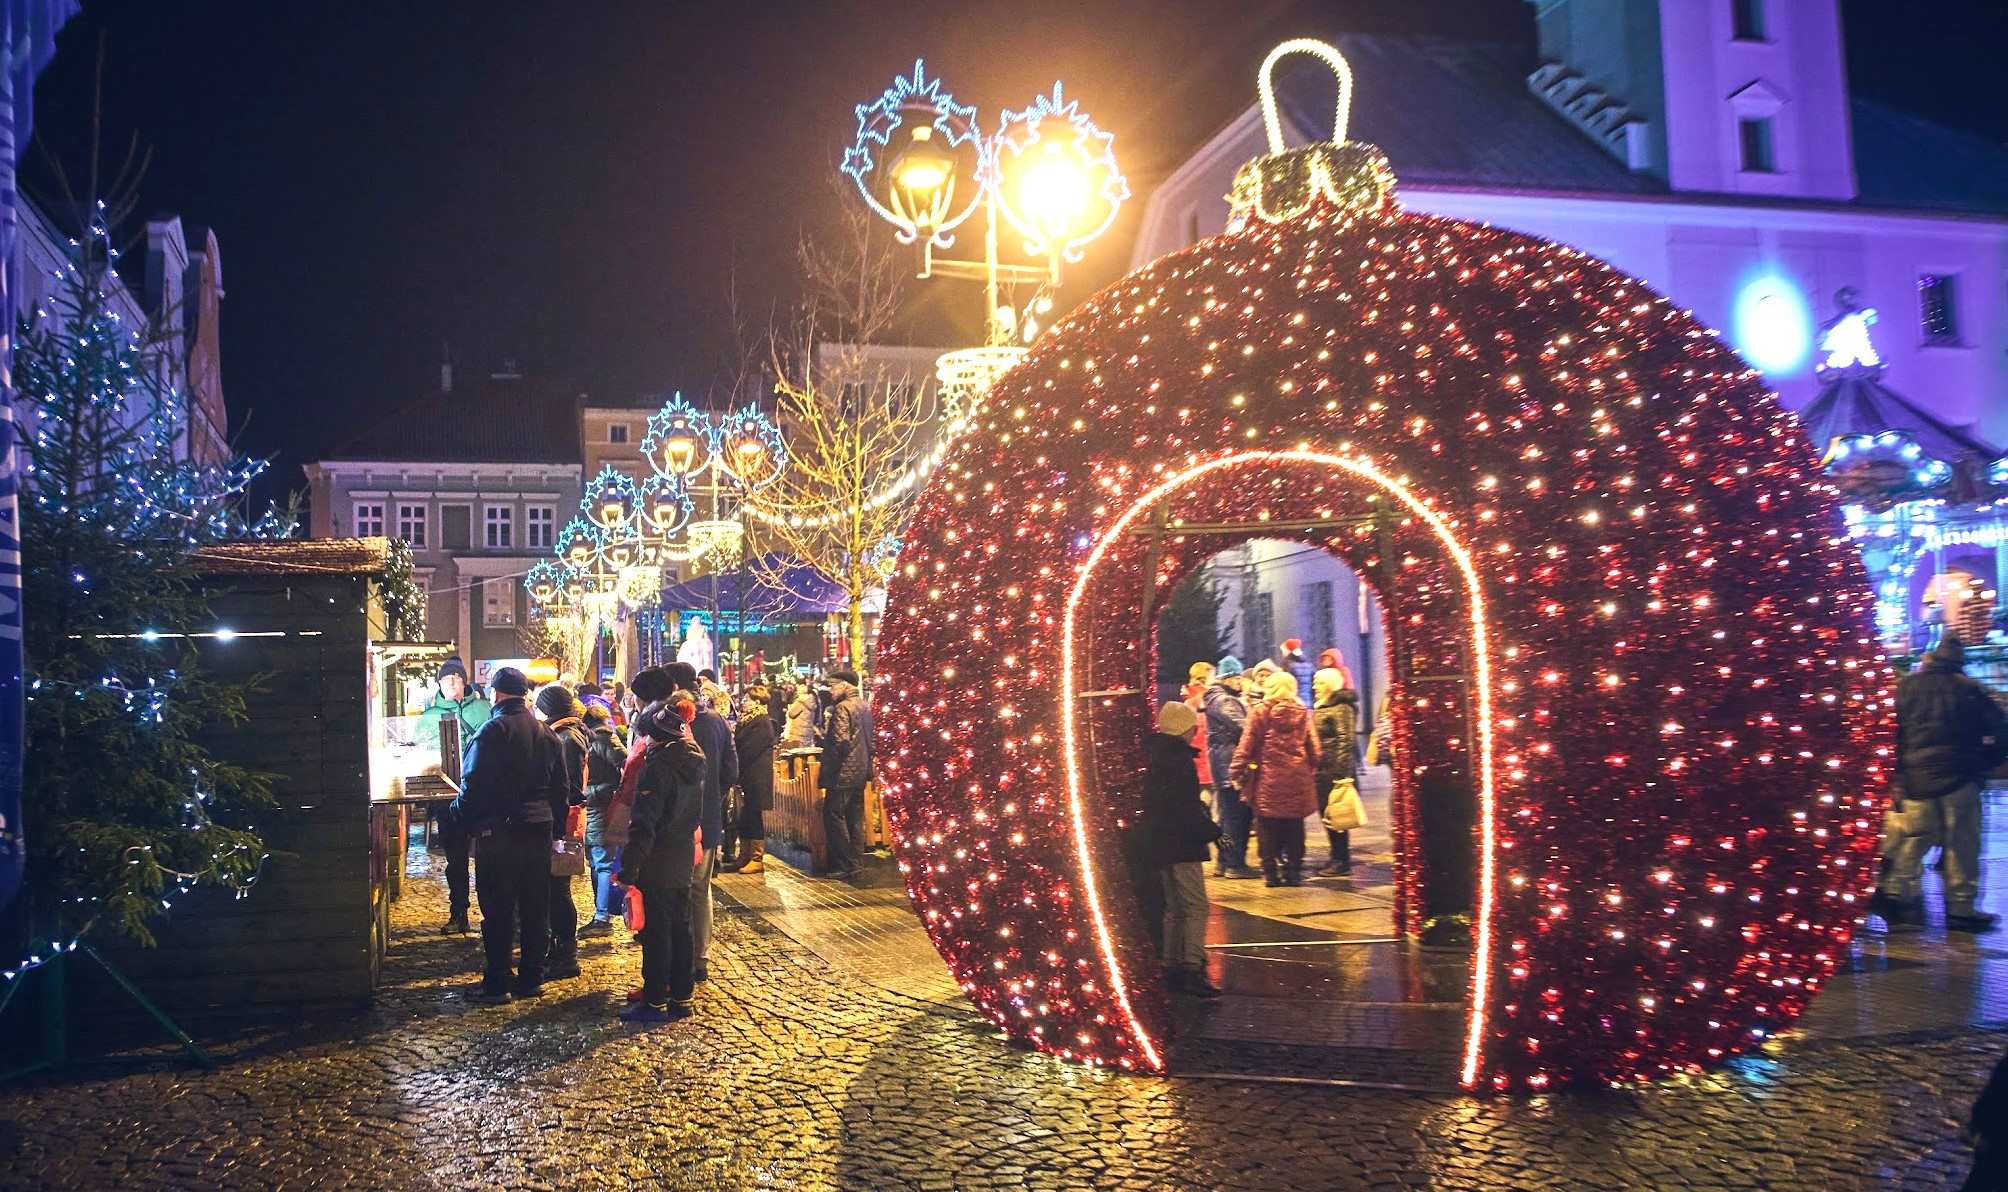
x: 1176, y: 831
x: 606, y: 757
x: 801, y: 732
x: 659, y: 860
x: 754, y: 739
x: 1949, y: 734
x: 1277, y: 760
x: 451, y: 697
x: 721, y: 772
x: 1199, y: 676
x: 566, y: 719
x: 1226, y: 714
x: 1337, y: 721
x: 1291, y: 659
x: 1330, y: 660
x: 514, y: 773
x: 846, y: 770
x: 652, y: 688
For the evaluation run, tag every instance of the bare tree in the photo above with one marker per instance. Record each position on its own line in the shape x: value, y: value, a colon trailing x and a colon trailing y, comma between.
x: 855, y: 434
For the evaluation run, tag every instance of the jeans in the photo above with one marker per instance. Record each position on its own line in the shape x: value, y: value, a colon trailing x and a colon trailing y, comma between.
x: 844, y: 827
x: 607, y: 893
x: 513, y: 881
x: 667, y: 955
x: 700, y: 904
x: 1282, y: 846
x: 1234, y: 817
x: 564, y: 920
x: 454, y: 843
x: 1185, y: 915
x: 1951, y: 821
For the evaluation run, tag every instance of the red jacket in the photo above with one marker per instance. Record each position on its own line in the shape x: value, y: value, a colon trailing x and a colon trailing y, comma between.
x: 1195, y: 698
x: 1276, y: 763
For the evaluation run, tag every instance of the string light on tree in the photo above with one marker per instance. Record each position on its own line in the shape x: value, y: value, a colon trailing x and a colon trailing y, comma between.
x: 1596, y: 515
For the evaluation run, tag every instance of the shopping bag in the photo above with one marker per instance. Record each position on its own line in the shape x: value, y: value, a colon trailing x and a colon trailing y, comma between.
x: 575, y: 822
x: 632, y: 908
x: 568, y: 858
x: 1344, y: 811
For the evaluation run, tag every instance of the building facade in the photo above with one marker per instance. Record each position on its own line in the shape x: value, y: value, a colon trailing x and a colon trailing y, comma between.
x: 477, y: 479
x: 1708, y: 147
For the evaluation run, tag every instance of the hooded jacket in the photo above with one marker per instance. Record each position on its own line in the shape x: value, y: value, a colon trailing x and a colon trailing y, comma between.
x: 471, y: 710
x: 1949, y: 731
x: 605, y: 759
x: 847, y: 744
x: 802, y: 718
x: 1277, y: 761
x: 1301, y: 668
x: 514, y: 773
x: 668, y: 805
x: 1226, y: 716
x: 1337, y: 721
x: 753, y: 741
x: 574, y: 740
x: 1174, y: 824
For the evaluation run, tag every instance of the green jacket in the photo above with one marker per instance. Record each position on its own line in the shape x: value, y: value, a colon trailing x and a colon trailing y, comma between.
x: 472, y: 710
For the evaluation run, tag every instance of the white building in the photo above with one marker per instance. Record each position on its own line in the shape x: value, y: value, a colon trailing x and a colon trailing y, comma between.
x: 1709, y: 147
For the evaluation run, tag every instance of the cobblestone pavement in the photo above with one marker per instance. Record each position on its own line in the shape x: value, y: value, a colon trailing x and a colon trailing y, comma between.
x: 797, y: 1074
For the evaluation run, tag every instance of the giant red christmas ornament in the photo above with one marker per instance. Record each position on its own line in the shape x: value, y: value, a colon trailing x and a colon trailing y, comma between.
x: 1622, y: 616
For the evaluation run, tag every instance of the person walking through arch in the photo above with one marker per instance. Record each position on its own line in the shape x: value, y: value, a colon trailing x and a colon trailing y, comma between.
x: 1226, y: 712
x: 1949, y: 735
x: 1337, y: 720
x: 1277, y: 761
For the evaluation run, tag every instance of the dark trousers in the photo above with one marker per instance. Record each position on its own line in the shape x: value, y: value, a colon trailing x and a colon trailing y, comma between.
x: 668, y: 955
x: 1234, y: 817
x: 1447, y: 821
x: 454, y: 842
x: 844, y: 826
x: 564, y: 920
x: 753, y: 823
x: 1282, y: 846
x: 513, y: 872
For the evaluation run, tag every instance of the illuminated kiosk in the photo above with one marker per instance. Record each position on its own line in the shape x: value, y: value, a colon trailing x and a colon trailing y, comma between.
x: 1623, y: 618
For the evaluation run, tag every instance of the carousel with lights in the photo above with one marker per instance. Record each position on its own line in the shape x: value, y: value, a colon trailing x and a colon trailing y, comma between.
x: 1627, y: 628
x: 611, y: 562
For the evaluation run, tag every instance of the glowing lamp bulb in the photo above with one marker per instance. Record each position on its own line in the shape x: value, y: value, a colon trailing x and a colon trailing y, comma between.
x: 1054, y: 193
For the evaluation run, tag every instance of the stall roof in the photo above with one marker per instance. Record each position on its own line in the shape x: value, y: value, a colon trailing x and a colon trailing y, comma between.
x: 295, y: 556
x: 778, y: 586
x: 1861, y: 405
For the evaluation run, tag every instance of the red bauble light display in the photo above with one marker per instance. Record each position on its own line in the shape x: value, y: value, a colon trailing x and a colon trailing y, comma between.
x: 1570, y: 496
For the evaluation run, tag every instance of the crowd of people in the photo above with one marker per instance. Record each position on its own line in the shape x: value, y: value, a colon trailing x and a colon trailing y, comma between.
x: 630, y: 786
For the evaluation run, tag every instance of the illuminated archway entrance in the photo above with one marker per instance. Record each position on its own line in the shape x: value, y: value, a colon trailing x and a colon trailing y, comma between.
x: 1329, y: 499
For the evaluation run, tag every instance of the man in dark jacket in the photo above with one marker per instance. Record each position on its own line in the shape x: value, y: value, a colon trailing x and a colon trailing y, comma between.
x: 1949, y: 734
x: 606, y: 757
x: 846, y: 769
x: 721, y: 771
x: 513, y: 773
x: 566, y: 719
x: 657, y: 859
x: 753, y: 740
x: 1226, y: 715
x: 1176, y: 832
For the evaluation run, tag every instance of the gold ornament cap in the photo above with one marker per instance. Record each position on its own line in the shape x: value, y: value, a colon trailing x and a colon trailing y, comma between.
x: 1351, y: 176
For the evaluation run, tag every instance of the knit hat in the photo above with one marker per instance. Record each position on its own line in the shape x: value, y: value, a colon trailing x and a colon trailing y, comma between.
x: 1229, y: 667
x: 1293, y: 645
x: 452, y: 666
x: 1177, y: 719
x: 510, y: 681
x: 1281, y: 686
x: 555, y: 701
x: 1330, y: 659
x: 1199, y: 672
x: 681, y: 674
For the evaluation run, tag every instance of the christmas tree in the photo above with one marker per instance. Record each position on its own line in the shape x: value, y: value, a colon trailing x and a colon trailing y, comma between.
x: 124, y: 806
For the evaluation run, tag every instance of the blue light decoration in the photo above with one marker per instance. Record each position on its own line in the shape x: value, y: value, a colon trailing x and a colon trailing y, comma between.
x: 921, y: 98
x: 664, y: 505
x: 679, y: 439
x: 610, y: 500
x: 1069, y: 168
x: 545, y: 581
x: 1773, y: 326
x: 750, y: 447
x: 577, y: 543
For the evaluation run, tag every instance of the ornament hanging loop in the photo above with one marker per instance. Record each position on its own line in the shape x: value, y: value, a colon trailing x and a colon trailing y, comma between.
x: 1330, y: 56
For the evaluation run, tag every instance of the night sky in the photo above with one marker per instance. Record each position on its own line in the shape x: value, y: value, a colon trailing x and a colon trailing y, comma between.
x: 571, y: 185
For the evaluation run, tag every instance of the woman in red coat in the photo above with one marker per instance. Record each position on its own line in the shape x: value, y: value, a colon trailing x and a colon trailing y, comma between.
x: 1278, y: 761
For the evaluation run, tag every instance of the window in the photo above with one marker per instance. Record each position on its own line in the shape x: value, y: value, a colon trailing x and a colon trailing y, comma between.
x: 368, y: 519
x: 1318, y: 610
x: 1259, y: 638
x: 1749, y: 19
x: 617, y: 432
x: 411, y: 521
x: 1937, y: 307
x: 1754, y: 134
x: 499, y: 525
x: 540, y: 526
x: 456, y: 527
x: 498, y: 602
